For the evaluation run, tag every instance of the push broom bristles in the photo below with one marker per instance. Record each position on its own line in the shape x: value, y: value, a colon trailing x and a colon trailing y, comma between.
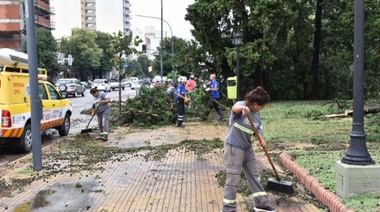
x: 282, y: 186
x: 86, y: 130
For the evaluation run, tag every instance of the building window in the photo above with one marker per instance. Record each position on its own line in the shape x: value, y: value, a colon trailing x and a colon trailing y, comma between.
x: 90, y: 18
x: 90, y: 25
x: 90, y: 11
x: 90, y: 4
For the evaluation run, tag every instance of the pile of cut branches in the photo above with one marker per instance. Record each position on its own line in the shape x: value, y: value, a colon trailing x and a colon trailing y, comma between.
x: 153, y: 106
x: 150, y: 106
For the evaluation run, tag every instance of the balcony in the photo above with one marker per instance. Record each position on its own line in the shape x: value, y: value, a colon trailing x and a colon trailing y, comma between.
x: 43, y: 21
x: 42, y: 5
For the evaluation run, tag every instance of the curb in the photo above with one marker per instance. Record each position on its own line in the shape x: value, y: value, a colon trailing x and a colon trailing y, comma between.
x: 330, y: 199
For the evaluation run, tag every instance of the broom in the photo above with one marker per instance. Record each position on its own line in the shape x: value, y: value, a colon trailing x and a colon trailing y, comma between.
x: 87, y: 129
x: 274, y: 184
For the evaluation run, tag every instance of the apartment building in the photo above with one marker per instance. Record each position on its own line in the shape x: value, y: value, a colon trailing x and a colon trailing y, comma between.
x: 109, y: 16
x: 13, y: 22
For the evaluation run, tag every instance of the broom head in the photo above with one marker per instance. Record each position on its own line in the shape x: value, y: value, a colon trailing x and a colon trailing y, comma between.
x: 86, y: 130
x: 282, y: 186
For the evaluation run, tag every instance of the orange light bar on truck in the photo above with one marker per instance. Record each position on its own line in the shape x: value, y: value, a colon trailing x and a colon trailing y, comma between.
x: 42, y: 77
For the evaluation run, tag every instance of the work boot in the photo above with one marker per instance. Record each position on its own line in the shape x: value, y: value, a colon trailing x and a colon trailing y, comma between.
x: 99, y: 137
x: 104, y: 137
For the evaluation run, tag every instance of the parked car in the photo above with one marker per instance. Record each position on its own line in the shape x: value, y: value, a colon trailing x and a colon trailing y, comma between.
x: 85, y: 84
x: 126, y: 82
x: 70, y: 86
x: 115, y: 84
x: 135, y: 85
x: 101, y: 84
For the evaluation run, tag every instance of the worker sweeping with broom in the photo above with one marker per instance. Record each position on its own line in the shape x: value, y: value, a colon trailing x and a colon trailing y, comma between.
x: 101, y: 108
x: 239, y: 154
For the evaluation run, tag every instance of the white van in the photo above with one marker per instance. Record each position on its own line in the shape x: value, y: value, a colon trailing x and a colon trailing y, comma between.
x: 158, y: 79
x: 134, y: 79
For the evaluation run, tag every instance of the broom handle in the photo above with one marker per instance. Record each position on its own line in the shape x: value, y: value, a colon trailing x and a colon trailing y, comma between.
x: 258, y: 137
x: 96, y: 109
x: 90, y: 121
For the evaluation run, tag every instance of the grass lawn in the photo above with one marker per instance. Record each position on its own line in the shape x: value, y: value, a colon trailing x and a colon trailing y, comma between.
x: 317, y: 142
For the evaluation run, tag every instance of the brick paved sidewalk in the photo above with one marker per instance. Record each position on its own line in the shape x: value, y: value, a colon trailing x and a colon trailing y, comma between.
x: 182, y: 181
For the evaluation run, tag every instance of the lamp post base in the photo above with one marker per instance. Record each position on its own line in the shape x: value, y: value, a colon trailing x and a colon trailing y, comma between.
x: 352, y: 179
x: 357, y: 153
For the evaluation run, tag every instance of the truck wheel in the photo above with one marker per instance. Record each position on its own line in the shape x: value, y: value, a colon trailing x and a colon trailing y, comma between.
x: 74, y: 93
x: 25, y: 142
x: 64, y: 129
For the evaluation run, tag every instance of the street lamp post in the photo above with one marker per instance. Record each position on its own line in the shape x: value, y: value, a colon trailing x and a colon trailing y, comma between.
x: 357, y: 153
x: 238, y: 41
x: 162, y: 42
x: 171, y: 32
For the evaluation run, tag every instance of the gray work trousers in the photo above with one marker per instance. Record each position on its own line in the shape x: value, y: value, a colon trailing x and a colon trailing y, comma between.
x: 104, y: 122
x: 235, y: 160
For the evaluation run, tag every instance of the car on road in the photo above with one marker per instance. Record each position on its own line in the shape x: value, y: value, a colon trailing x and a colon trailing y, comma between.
x: 146, y: 82
x: 134, y: 79
x: 70, y: 86
x: 135, y: 85
x: 85, y: 84
x: 126, y: 82
x: 115, y: 84
x: 101, y: 85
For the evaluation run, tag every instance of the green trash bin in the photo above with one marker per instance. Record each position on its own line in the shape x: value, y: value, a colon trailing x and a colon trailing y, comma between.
x: 232, y: 87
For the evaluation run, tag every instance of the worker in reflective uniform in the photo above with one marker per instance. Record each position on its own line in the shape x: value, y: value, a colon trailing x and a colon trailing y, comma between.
x: 102, y: 109
x: 180, y: 101
x: 239, y: 154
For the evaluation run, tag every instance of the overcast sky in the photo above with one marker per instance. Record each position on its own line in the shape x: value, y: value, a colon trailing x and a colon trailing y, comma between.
x: 174, y: 12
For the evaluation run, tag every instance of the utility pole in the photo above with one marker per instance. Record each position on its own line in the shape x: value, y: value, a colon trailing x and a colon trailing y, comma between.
x: 36, y: 103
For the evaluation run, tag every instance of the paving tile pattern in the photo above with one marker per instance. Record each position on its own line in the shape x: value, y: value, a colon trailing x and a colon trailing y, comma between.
x: 182, y: 181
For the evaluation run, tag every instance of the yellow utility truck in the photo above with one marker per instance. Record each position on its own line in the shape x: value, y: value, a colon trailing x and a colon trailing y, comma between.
x: 15, y: 105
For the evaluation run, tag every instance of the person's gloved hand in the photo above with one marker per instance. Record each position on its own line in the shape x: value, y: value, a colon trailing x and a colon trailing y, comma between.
x: 187, y: 100
x: 208, y: 89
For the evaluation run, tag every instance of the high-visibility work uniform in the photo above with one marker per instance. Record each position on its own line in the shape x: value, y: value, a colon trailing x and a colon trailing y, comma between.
x: 214, y: 86
x: 238, y: 156
x: 180, y: 103
x: 102, y: 113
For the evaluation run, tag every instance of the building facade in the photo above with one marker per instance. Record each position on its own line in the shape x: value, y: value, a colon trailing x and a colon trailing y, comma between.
x: 152, y: 41
x: 13, y: 21
x: 110, y: 16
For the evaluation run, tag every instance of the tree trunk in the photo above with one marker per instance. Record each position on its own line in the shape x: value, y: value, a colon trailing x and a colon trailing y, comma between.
x: 316, y: 47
